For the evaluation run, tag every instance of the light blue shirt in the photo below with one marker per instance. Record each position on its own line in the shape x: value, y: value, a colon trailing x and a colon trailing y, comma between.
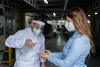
x: 74, y: 53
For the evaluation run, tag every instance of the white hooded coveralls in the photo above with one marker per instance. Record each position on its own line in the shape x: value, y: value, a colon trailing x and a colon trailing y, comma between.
x: 26, y: 57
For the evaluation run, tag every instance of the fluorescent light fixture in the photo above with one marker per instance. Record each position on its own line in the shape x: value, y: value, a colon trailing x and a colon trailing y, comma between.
x: 49, y: 22
x: 54, y: 14
x: 61, y: 21
x: 46, y: 1
x: 88, y: 21
x: 96, y: 13
x: 89, y: 15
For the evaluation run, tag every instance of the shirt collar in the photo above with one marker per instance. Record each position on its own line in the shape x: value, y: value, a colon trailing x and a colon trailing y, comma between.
x: 75, y: 34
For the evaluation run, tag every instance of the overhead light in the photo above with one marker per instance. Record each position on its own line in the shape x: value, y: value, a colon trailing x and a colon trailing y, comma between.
x: 54, y: 14
x: 96, y: 13
x: 88, y: 21
x: 49, y: 22
x: 89, y: 15
x: 46, y: 1
x: 61, y: 21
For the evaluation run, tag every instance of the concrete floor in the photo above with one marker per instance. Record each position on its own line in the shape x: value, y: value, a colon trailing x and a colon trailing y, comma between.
x: 56, y: 44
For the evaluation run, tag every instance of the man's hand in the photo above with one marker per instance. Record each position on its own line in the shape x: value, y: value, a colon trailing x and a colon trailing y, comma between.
x: 43, y: 64
x: 29, y: 43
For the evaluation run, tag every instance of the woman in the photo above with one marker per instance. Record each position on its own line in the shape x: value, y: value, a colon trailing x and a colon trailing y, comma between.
x: 78, y: 46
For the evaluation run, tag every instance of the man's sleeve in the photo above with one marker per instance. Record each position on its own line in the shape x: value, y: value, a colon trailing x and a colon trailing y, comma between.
x: 16, y: 40
x: 42, y: 49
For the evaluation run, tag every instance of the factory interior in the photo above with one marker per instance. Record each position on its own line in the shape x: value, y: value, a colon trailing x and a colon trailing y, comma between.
x: 16, y: 15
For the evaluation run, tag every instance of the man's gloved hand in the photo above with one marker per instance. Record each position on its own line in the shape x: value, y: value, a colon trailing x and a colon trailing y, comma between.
x: 29, y: 43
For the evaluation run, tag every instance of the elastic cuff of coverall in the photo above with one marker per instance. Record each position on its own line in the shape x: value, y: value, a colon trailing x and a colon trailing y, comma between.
x: 42, y: 60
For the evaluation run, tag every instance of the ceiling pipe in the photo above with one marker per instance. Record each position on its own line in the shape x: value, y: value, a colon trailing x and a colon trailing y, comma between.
x: 93, y: 9
x: 66, y: 2
x: 46, y: 1
x: 33, y: 5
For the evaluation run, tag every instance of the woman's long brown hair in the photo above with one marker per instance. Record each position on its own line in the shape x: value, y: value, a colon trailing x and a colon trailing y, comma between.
x: 80, y: 22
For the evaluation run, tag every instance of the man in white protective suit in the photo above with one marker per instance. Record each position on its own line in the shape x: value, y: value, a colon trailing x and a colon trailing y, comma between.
x: 29, y: 43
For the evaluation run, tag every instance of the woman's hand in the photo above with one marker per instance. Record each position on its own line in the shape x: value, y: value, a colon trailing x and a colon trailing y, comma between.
x: 48, y: 52
x: 43, y: 55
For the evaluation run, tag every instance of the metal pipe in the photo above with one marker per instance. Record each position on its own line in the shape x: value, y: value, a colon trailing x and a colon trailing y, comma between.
x: 93, y: 9
x: 34, y: 6
x: 66, y: 2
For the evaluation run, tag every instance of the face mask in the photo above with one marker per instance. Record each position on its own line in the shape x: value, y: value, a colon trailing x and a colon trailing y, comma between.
x: 69, y: 26
x: 37, y: 31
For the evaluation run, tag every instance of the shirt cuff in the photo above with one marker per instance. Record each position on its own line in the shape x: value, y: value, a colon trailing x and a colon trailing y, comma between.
x: 49, y: 57
x: 42, y: 60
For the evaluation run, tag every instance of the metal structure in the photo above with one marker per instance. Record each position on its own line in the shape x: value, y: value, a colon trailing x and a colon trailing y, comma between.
x: 9, y: 51
x: 66, y: 2
x: 57, y: 6
x: 94, y: 6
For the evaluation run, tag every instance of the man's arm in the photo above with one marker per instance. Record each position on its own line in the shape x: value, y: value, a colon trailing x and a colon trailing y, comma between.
x: 16, y: 40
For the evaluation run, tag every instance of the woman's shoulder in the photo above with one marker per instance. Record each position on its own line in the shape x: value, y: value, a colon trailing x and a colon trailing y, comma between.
x: 82, y: 39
